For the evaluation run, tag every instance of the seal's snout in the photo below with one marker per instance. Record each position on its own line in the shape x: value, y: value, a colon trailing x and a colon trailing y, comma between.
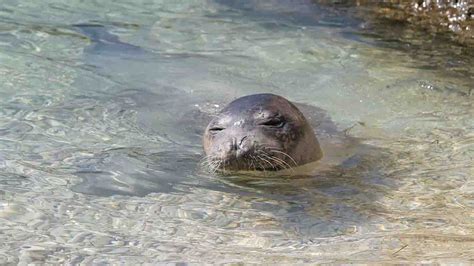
x: 237, y: 147
x: 243, y: 147
x: 233, y: 145
x: 239, y: 143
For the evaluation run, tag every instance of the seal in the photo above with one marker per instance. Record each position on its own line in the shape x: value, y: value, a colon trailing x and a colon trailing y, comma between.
x: 259, y: 132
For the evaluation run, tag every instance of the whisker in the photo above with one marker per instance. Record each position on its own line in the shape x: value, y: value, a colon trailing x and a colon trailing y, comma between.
x: 291, y: 158
x: 267, y: 162
x: 211, y: 163
x: 253, y: 163
x: 282, y: 166
x: 208, y: 163
x: 260, y: 164
x: 284, y: 162
x: 249, y: 163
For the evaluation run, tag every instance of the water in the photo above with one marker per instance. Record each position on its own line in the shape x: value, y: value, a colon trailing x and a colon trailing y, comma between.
x: 100, y: 140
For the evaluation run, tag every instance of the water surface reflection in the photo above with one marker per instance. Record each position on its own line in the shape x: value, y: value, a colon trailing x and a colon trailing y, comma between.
x: 103, y: 104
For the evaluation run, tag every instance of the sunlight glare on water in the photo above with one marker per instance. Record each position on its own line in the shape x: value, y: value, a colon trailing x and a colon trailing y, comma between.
x: 102, y: 107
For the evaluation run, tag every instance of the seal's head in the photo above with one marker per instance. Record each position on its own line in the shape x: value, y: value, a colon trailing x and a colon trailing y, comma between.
x: 260, y: 132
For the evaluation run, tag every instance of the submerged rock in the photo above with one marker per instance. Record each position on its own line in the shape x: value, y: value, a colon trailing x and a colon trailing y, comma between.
x: 438, y: 16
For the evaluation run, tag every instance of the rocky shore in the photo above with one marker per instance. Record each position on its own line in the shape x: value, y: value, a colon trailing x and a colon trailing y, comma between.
x: 455, y: 18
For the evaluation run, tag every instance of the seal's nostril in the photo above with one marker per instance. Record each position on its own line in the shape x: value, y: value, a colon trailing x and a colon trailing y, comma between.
x: 242, y: 141
x: 233, y: 144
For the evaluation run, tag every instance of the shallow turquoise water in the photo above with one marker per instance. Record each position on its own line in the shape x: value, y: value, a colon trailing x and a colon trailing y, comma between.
x: 100, y: 140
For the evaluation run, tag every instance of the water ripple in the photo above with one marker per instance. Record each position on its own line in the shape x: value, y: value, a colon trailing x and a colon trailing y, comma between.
x: 100, y: 143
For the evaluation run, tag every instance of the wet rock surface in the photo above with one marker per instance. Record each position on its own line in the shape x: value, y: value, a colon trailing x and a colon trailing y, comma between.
x: 455, y: 18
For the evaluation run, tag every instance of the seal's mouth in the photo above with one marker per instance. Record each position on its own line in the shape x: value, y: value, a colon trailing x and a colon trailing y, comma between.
x: 257, y: 160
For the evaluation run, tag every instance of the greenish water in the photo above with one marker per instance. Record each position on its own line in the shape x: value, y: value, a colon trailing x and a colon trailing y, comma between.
x: 100, y: 137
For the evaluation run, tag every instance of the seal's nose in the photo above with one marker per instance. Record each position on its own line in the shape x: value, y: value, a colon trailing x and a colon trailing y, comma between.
x: 241, y: 143
x: 238, y: 146
x: 233, y: 144
x: 243, y: 146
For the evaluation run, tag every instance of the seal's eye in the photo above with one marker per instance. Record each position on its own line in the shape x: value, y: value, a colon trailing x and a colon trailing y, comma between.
x: 216, y: 129
x: 273, y: 123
